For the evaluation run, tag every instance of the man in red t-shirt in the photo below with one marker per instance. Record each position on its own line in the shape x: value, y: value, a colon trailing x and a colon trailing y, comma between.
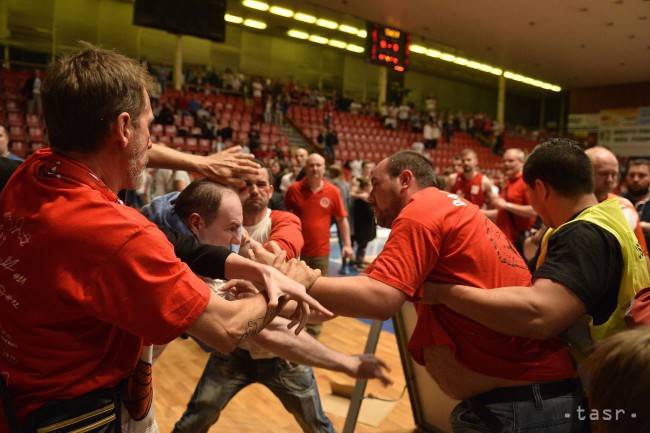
x: 438, y: 236
x: 512, y: 211
x: 87, y: 279
x: 316, y: 201
x: 470, y: 183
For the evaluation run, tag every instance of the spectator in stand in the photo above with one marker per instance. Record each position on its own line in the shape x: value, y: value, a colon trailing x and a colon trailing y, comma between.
x: 637, y: 179
x: 166, y: 115
x: 470, y: 184
x: 5, y: 145
x: 31, y: 91
x: 430, y: 105
x: 297, y: 170
x: 226, y: 131
x: 328, y: 140
x: 166, y: 180
x: 254, y: 139
x: 403, y: 114
x: 431, y: 134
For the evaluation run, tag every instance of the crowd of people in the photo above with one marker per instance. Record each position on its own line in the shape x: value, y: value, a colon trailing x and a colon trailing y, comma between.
x: 238, y: 256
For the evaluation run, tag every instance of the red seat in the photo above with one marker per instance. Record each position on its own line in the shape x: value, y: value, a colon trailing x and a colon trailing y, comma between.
x: 17, y: 133
x: 191, y: 144
x: 35, y: 134
x: 178, y: 143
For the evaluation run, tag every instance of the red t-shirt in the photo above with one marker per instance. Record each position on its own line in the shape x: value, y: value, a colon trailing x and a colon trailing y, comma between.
x: 315, y: 211
x: 84, y: 281
x: 514, y: 191
x: 286, y: 232
x: 471, y: 190
x: 440, y: 237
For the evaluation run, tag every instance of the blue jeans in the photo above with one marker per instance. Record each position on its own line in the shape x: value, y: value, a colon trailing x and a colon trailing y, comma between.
x: 225, y: 375
x: 554, y: 415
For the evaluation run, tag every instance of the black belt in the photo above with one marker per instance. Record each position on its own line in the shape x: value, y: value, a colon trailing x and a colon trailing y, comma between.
x: 526, y: 392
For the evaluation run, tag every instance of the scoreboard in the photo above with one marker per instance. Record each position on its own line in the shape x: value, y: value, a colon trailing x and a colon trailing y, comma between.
x: 388, y: 47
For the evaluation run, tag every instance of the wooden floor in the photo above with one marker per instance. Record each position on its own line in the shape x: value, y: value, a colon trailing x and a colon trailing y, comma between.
x: 255, y: 409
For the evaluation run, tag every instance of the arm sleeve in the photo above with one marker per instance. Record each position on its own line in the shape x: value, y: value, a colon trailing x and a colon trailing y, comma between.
x: 206, y: 260
x: 588, y: 260
x: 286, y: 231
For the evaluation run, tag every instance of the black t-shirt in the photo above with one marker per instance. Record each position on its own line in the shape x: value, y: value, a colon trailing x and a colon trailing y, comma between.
x: 206, y: 260
x: 588, y: 260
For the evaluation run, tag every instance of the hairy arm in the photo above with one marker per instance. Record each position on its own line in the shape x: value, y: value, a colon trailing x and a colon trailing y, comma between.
x: 305, y: 349
x: 227, y: 167
x: 542, y: 311
x: 358, y: 296
x: 344, y: 226
x: 226, y: 324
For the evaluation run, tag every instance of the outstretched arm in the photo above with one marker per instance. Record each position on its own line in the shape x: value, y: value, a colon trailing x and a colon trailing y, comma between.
x: 542, y: 311
x: 226, y: 167
x: 305, y: 349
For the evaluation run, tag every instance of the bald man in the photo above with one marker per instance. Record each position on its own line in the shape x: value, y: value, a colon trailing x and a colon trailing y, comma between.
x: 316, y: 201
x: 512, y: 211
x: 605, y: 178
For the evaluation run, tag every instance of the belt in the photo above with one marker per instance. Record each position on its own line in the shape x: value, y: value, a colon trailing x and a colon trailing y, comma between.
x: 526, y: 393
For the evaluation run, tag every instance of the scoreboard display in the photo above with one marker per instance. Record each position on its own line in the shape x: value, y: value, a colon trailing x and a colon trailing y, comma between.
x: 388, y: 47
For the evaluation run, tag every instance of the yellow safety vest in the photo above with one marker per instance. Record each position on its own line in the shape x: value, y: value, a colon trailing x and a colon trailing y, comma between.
x: 635, y: 277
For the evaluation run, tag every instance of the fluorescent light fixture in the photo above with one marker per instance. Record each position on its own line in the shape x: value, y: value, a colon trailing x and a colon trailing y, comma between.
x: 433, y: 53
x: 355, y: 48
x: 461, y: 61
x: 362, y: 33
x: 255, y: 24
x: 298, y: 34
x: 418, y: 49
x: 348, y: 29
x: 337, y: 44
x: 233, y: 19
x: 496, y: 71
x: 447, y: 57
x: 304, y: 17
x: 283, y: 12
x: 254, y: 4
x: 556, y: 88
x: 318, y: 39
x: 327, y: 23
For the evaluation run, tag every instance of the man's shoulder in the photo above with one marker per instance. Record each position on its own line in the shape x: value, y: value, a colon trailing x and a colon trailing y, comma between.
x: 277, y: 216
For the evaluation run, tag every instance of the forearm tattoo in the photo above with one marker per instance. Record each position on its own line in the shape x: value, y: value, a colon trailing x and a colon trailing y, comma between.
x: 256, y: 325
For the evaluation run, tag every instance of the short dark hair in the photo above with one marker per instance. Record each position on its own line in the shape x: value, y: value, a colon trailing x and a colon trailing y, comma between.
x: 85, y: 92
x: 267, y: 168
x: 202, y: 196
x: 420, y: 166
x: 639, y: 161
x: 563, y: 164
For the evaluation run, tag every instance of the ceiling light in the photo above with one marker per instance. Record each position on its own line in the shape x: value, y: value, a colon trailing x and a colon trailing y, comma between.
x: 447, y: 57
x: 327, y: 23
x: 255, y: 24
x: 337, y: 44
x: 298, y: 34
x: 254, y: 4
x: 418, y: 49
x: 362, y: 33
x: 283, y: 12
x: 304, y: 17
x: 433, y: 53
x: 496, y: 71
x: 556, y: 88
x: 461, y: 61
x: 233, y: 19
x: 355, y: 48
x: 318, y: 39
x: 348, y: 29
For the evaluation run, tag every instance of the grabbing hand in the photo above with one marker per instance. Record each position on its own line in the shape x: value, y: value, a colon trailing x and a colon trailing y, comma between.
x: 370, y: 367
x: 228, y: 167
x: 238, y: 289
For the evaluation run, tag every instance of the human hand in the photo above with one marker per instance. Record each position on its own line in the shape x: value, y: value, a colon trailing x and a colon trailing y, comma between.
x: 347, y: 252
x: 228, y: 167
x: 499, y: 203
x: 368, y: 366
x: 238, y: 289
x: 298, y: 271
x: 260, y: 254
